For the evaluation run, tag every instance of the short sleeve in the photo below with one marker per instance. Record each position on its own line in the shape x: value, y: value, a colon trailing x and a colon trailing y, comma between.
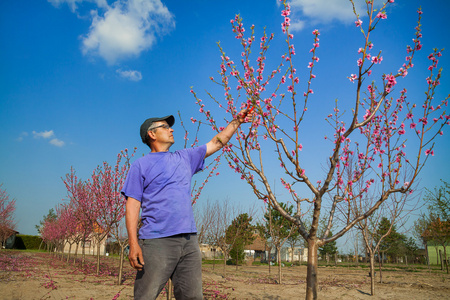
x: 197, y: 158
x: 134, y: 183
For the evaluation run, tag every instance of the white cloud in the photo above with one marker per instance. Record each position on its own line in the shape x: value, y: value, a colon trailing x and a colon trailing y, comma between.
x: 47, y: 134
x: 43, y: 134
x: 126, y: 29
x: 326, y: 11
x: 73, y: 4
x: 56, y: 142
x: 132, y: 75
x: 22, y: 136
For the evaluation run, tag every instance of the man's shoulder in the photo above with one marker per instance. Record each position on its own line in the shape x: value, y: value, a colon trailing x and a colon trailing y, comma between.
x: 191, y: 150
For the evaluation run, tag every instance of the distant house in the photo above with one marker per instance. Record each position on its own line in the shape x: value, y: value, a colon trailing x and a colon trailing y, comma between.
x: 11, y: 240
x: 209, y: 252
x: 257, y: 249
x: 90, y: 245
x: 299, y: 254
x: 433, y: 252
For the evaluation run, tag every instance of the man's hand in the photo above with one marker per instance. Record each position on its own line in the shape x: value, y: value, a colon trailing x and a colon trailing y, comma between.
x: 132, y: 217
x: 246, y: 115
x: 135, y: 257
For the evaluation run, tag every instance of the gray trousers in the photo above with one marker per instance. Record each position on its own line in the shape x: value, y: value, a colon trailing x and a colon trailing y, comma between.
x: 177, y: 257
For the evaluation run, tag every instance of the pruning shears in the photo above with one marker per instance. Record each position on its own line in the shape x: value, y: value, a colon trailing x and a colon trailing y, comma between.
x: 250, y: 109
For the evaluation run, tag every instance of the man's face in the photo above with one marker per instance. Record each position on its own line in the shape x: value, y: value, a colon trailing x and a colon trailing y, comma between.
x: 162, y: 133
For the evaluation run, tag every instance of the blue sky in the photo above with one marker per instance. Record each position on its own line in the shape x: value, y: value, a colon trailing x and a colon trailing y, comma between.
x: 79, y: 77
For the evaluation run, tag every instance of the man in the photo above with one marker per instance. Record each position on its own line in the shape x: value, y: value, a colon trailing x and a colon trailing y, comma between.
x: 159, y: 183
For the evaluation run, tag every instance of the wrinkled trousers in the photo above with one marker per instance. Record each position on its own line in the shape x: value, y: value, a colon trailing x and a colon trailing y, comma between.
x: 176, y: 257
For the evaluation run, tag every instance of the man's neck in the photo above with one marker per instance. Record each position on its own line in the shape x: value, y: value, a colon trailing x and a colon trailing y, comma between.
x: 160, y: 147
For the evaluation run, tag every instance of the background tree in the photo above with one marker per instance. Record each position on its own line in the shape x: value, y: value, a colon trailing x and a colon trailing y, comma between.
x: 51, y: 215
x: 7, y: 208
x: 328, y: 249
x: 439, y: 201
x: 294, y: 240
x: 240, y: 234
x: 373, y: 131
x: 225, y: 213
x: 277, y: 229
x: 420, y: 226
x: 391, y: 244
x: 434, y: 226
x: 411, y: 249
x: 378, y: 230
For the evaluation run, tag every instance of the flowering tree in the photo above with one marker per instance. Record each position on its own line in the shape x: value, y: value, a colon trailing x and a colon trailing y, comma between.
x: 107, y: 182
x: 80, y: 197
x: 7, y: 208
x: 54, y: 232
x: 370, y: 140
x: 68, y: 215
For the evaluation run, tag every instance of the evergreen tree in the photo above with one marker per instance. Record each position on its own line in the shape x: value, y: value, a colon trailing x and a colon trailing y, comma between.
x: 329, y: 248
x: 393, y: 244
x: 239, y: 234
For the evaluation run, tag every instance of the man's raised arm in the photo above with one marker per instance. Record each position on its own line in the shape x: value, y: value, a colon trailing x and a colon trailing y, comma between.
x: 222, y: 138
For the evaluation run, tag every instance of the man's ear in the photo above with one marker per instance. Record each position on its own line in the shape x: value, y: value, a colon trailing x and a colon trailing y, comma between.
x: 151, y: 134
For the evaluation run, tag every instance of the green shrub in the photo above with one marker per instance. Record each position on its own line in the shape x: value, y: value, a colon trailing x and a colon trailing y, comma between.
x: 211, y: 261
x: 27, y: 242
x: 259, y: 263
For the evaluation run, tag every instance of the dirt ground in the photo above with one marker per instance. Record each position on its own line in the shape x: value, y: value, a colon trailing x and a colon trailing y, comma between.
x: 25, y: 275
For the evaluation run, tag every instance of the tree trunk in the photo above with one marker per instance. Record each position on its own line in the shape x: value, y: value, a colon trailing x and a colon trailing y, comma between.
x: 76, y: 252
x: 380, y: 261
x: 311, y: 273
x: 427, y: 256
x: 237, y: 259
x: 119, y: 278
x: 442, y: 262
x: 214, y: 259
x: 83, y: 252
x: 269, y: 259
x: 372, y: 273
x: 70, y: 250
x: 224, y: 265
x: 98, y: 257
x: 445, y: 258
x: 279, y: 264
x: 437, y: 254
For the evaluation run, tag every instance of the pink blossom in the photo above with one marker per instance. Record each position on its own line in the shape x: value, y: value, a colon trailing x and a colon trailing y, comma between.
x: 381, y: 15
x: 358, y: 23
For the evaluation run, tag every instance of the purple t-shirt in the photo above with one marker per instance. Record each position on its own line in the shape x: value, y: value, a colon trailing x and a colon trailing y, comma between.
x: 161, y: 181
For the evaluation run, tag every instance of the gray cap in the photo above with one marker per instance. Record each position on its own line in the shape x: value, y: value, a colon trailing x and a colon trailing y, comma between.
x: 147, y: 123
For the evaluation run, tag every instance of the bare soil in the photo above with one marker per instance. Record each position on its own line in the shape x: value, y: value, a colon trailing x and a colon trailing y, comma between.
x: 26, y: 275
